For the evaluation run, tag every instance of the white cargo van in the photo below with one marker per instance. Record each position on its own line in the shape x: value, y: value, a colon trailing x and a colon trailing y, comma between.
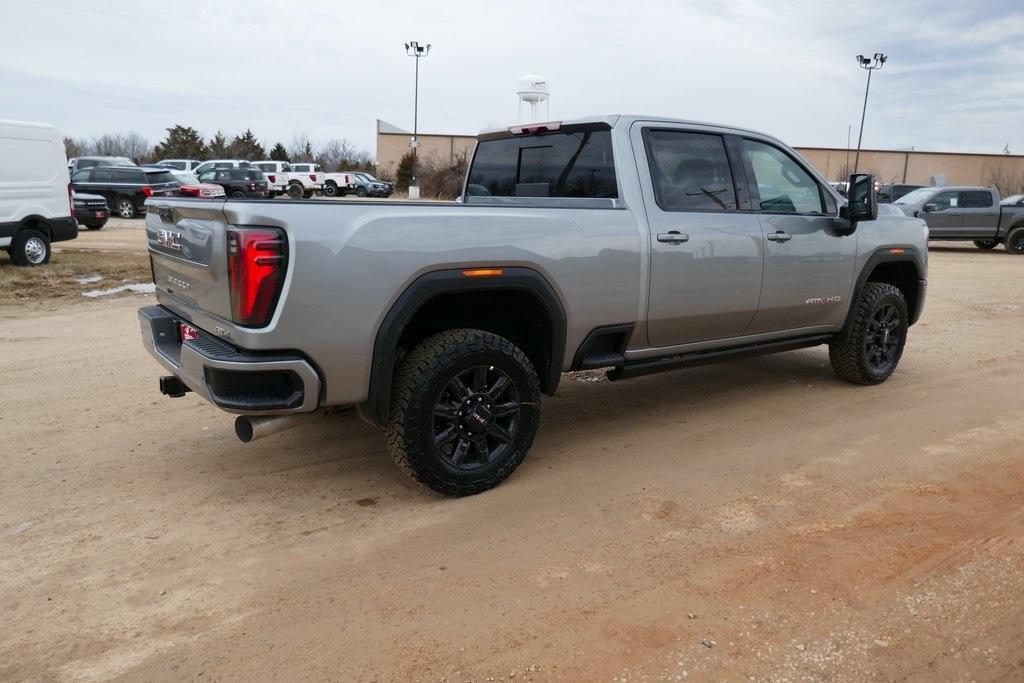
x: 35, y: 194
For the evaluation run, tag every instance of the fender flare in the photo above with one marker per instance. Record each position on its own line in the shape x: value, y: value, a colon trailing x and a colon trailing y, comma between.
x: 904, y: 254
x: 439, y: 282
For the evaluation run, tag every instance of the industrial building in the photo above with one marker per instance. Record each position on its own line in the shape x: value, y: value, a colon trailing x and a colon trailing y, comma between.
x: 902, y: 166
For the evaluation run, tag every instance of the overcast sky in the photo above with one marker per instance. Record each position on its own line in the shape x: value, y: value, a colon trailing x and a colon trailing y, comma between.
x: 954, y: 79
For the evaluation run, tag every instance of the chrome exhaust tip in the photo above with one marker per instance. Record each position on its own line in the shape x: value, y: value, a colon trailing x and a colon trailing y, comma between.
x: 251, y: 427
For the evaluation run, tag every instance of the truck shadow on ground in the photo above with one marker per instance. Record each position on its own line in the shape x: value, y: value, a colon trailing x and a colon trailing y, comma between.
x: 350, y: 456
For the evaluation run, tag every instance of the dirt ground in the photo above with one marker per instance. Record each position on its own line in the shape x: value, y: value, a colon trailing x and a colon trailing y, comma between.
x: 755, y: 520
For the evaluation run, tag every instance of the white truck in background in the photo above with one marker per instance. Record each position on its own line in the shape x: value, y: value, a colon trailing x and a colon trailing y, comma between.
x: 307, y: 175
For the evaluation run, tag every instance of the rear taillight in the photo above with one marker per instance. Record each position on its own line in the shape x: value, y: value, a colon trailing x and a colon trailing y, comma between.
x: 271, y: 177
x: 257, y: 259
x: 147, y: 190
x: 71, y: 201
x: 252, y: 186
x: 312, y: 177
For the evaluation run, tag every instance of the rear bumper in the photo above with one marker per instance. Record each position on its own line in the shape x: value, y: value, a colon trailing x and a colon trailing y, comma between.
x: 63, y: 229
x: 234, y: 380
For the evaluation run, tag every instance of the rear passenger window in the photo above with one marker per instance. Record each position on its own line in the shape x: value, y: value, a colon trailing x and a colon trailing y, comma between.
x: 782, y: 184
x: 975, y: 199
x: 575, y: 163
x: 101, y: 175
x: 690, y: 171
x: 128, y: 177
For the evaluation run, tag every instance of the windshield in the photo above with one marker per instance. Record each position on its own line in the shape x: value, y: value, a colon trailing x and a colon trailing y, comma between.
x: 917, y: 196
x: 369, y: 177
x: 1013, y: 200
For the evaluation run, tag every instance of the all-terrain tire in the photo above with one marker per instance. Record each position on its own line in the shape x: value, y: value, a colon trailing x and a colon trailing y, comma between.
x: 420, y: 389
x: 850, y: 350
x: 1015, y: 241
x: 295, y: 191
x: 986, y: 244
x: 331, y: 188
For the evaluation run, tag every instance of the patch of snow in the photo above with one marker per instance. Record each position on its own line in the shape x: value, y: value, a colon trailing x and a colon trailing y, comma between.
x: 138, y: 288
x: 88, y: 280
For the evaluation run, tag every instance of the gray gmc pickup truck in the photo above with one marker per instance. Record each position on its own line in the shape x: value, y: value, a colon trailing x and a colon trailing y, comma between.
x: 632, y: 243
x: 968, y: 213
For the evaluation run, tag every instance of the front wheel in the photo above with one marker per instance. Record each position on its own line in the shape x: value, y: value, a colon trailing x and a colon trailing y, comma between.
x: 465, y: 408
x: 1015, y: 241
x: 125, y: 207
x: 30, y: 248
x: 868, y: 350
x: 986, y: 244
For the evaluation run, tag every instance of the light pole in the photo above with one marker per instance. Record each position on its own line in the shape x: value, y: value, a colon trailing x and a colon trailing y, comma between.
x: 414, y: 49
x: 870, y: 64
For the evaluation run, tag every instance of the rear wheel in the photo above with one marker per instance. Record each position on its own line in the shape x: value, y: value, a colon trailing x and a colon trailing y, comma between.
x: 30, y: 248
x: 986, y: 244
x: 125, y: 207
x: 465, y: 408
x: 331, y: 189
x: 238, y: 194
x: 869, y: 349
x: 1015, y: 241
x: 360, y: 191
x: 96, y: 225
x: 295, y: 191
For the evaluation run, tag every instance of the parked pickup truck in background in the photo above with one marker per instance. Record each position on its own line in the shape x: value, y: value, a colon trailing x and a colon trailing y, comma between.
x: 630, y: 243
x: 306, y: 176
x: 967, y: 213
x: 277, y: 174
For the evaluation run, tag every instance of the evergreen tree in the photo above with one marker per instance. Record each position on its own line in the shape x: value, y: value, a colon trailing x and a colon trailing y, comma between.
x: 246, y: 146
x: 218, y: 146
x: 182, y: 142
x: 403, y: 176
x: 279, y: 153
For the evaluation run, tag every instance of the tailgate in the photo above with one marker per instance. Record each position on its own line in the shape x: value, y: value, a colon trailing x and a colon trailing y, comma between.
x: 188, y: 247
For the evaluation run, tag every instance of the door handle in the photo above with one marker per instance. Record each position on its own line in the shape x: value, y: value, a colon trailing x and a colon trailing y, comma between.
x: 779, y: 236
x: 673, y: 237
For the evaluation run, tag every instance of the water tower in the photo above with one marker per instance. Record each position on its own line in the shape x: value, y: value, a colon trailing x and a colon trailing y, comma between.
x: 533, y: 89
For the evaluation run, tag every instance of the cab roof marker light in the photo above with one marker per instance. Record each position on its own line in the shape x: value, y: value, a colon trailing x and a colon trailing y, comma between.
x: 482, y: 272
x: 534, y: 128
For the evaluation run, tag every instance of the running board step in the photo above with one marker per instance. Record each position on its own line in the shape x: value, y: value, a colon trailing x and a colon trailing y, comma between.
x: 690, y: 360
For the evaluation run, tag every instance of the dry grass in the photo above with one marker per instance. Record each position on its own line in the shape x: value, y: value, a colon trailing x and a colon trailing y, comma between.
x: 58, y: 279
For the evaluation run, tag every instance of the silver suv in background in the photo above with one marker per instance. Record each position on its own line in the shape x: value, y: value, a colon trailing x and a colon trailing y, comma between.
x: 967, y: 213
x: 636, y: 244
x: 363, y: 184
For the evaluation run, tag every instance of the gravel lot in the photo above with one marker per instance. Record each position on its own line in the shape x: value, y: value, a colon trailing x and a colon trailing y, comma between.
x: 756, y: 519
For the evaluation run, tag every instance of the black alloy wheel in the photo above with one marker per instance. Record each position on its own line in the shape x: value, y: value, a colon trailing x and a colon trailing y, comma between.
x: 476, y: 417
x: 881, y: 343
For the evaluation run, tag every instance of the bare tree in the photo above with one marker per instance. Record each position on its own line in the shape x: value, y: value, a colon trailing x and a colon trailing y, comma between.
x: 1004, y: 178
x: 301, y: 149
x: 342, y: 155
x: 131, y: 145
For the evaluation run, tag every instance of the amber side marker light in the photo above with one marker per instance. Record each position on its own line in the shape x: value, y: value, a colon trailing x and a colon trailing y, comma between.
x: 483, y: 272
x: 897, y: 251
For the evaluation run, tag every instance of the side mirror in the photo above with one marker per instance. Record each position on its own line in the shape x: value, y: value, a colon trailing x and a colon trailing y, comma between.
x: 928, y: 208
x: 863, y: 205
